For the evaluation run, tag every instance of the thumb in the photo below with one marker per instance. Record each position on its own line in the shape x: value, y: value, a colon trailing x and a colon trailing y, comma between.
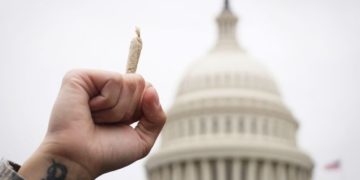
x: 153, y: 119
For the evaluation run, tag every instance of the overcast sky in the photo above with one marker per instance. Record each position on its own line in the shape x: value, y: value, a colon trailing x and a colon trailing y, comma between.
x: 311, y: 46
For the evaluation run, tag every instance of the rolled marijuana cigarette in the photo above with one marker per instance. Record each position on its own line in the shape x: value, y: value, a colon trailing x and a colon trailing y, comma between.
x: 134, y: 53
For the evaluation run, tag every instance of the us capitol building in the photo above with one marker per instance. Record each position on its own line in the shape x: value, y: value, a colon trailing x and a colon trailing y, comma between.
x: 228, y: 121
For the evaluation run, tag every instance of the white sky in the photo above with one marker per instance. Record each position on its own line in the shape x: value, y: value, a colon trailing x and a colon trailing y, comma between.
x: 311, y: 46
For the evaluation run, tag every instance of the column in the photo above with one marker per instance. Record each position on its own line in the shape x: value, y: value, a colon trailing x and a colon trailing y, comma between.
x: 236, y: 169
x: 291, y: 173
x: 221, y: 169
x: 308, y: 174
x: 205, y: 170
x: 266, y: 171
x: 272, y: 171
x: 280, y: 172
x: 298, y: 174
x: 165, y: 173
x: 305, y: 175
x: 251, y: 170
x: 176, y: 174
x: 302, y: 174
x: 190, y: 172
x: 155, y: 174
x: 150, y: 175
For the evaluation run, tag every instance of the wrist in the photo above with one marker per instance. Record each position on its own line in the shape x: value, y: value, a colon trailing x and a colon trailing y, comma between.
x: 49, y: 166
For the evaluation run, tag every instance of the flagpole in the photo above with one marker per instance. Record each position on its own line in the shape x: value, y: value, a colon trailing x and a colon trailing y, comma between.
x: 337, y: 167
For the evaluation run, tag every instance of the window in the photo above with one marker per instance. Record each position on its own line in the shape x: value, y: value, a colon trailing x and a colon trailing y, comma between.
x: 215, y: 125
x: 265, y: 127
x: 191, y: 127
x: 241, y: 125
x: 253, y: 126
x: 202, y: 126
x: 181, y: 128
x: 228, y: 124
x: 275, y: 128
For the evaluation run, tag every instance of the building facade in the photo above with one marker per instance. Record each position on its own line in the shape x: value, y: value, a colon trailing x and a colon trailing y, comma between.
x: 228, y: 121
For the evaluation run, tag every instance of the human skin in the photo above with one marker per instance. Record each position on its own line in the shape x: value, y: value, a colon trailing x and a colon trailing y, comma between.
x: 89, y: 131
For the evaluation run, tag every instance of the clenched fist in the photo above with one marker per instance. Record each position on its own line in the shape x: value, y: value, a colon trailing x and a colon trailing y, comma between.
x: 89, y: 131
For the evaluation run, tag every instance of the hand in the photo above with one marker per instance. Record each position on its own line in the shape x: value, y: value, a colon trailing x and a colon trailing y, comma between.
x: 89, y: 131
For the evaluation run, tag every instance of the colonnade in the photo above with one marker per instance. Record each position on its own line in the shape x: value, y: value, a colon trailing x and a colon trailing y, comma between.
x: 230, y: 124
x: 230, y: 80
x: 229, y: 169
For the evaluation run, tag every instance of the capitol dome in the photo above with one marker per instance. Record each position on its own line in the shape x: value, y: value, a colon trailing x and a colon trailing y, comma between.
x: 227, y: 69
x: 228, y: 121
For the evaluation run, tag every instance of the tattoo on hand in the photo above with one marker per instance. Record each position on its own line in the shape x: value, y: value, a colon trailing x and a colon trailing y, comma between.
x: 56, y: 171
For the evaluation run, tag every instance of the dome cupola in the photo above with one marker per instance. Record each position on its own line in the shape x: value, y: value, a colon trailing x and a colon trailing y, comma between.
x: 228, y: 121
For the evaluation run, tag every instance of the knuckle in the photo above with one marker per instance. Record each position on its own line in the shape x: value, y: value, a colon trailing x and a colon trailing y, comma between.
x: 131, y: 86
x: 119, y: 79
x: 127, y: 115
x: 162, y: 118
x: 118, y: 115
x: 111, y: 97
x: 140, y: 80
x: 136, y: 81
x: 71, y: 76
x: 146, y: 150
x: 110, y: 100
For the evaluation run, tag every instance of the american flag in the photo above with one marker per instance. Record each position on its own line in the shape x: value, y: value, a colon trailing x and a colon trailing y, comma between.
x: 335, y: 165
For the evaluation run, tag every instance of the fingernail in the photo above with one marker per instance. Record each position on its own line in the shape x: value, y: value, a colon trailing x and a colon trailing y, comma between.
x: 156, y: 97
x: 148, y: 84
